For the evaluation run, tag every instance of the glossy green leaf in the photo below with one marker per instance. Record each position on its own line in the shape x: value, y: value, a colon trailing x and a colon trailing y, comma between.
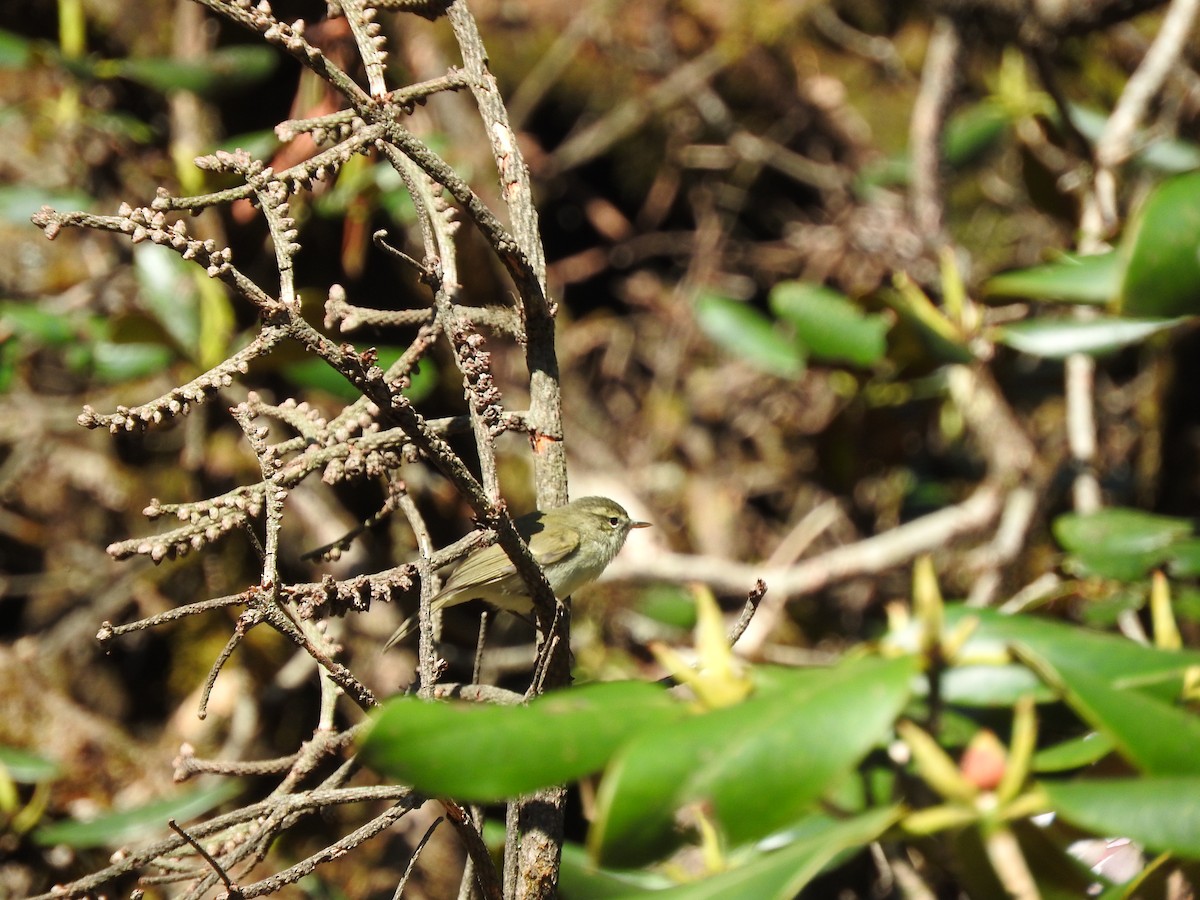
x: 313, y: 372
x: 829, y: 324
x: 1168, y: 155
x: 1094, y: 279
x: 481, y: 752
x: 1162, y: 277
x: 1057, y: 338
x: 743, y: 331
x: 1160, y: 813
x: 753, y: 767
x: 973, y: 131
x: 581, y: 879
x: 991, y: 685
x: 224, y: 70
x: 668, y: 604
x: 15, y: 50
x: 1074, y: 753
x: 1184, y: 558
x: 20, y: 201
x: 27, y: 768
x: 167, y: 290
x: 1120, y: 543
x: 41, y: 326
x: 113, y: 363
x: 1116, y: 660
x: 781, y: 874
x: 139, y: 823
x: 1156, y: 737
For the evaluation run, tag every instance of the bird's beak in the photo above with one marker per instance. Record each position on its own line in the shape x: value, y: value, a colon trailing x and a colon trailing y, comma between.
x: 641, y: 525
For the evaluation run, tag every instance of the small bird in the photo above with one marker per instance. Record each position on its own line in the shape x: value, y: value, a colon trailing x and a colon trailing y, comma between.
x: 573, y: 544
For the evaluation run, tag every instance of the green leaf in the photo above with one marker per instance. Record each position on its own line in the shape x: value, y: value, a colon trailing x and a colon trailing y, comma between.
x: 1117, y: 660
x: 15, y: 50
x: 48, y: 329
x: 746, y: 333
x: 1167, y: 155
x: 20, y: 201
x: 222, y: 71
x: 114, y: 363
x: 973, y: 131
x: 1160, y: 813
x: 1162, y: 277
x: 1184, y: 560
x: 668, y: 604
x: 581, y: 879
x: 1074, y: 753
x: 1156, y: 737
x: 480, y: 752
x: 313, y: 372
x: 781, y: 874
x: 168, y: 292
x: 991, y: 686
x: 829, y: 324
x: 138, y: 823
x: 754, y: 767
x: 1120, y: 543
x: 1094, y: 279
x: 27, y: 768
x: 1058, y: 338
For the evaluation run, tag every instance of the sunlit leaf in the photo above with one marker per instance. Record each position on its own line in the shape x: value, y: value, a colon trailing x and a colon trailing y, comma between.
x: 315, y: 373
x: 114, y: 363
x: 1168, y: 155
x: 1162, y: 277
x: 1074, y: 753
x: 483, y: 752
x: 1159, y: 813
x: 15, y: 50
x: 168, y: 291
x: 1058, y: 338
x: 224, y: 70
x: 1094, y: 279
x: 1155, y: 736
x: 1119, y: 543
x: 141, y: 822
x: 830, y: 325
x: 42, y: 326
x: 27, y: 768
x: 753, y: 767
x: 746, y: 333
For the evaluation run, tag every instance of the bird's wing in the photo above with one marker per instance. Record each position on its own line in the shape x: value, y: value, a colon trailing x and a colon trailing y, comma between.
x: 471, y: 570
x: 550, y: 548
x: 494, y: 562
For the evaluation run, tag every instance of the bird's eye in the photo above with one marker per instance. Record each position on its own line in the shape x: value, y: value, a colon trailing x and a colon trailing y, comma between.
x: 614, y: 521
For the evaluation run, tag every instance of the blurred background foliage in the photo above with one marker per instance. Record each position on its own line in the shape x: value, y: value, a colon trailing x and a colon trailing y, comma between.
x: 722, y: 192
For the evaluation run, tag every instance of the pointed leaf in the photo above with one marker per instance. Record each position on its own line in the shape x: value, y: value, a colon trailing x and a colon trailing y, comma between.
x: 1162, y: 277
x: 1159, y: 813
x: 781, y: 874
x: 1093, y: 279
x: 223, y: 70
x: 746, y: 333
x: 27, y: 768
x: 753, y: 767
x: 1120, y: 543
x: 1059, y: 338
x: 480, y: 752
x: 829, y: 324
x: 1156, y: 737
x: 139, y: 823
x: 1074, y: 753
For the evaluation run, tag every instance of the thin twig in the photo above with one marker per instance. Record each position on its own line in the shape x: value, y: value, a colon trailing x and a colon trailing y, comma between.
x: 232, y: 889
x: 938, y: 80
